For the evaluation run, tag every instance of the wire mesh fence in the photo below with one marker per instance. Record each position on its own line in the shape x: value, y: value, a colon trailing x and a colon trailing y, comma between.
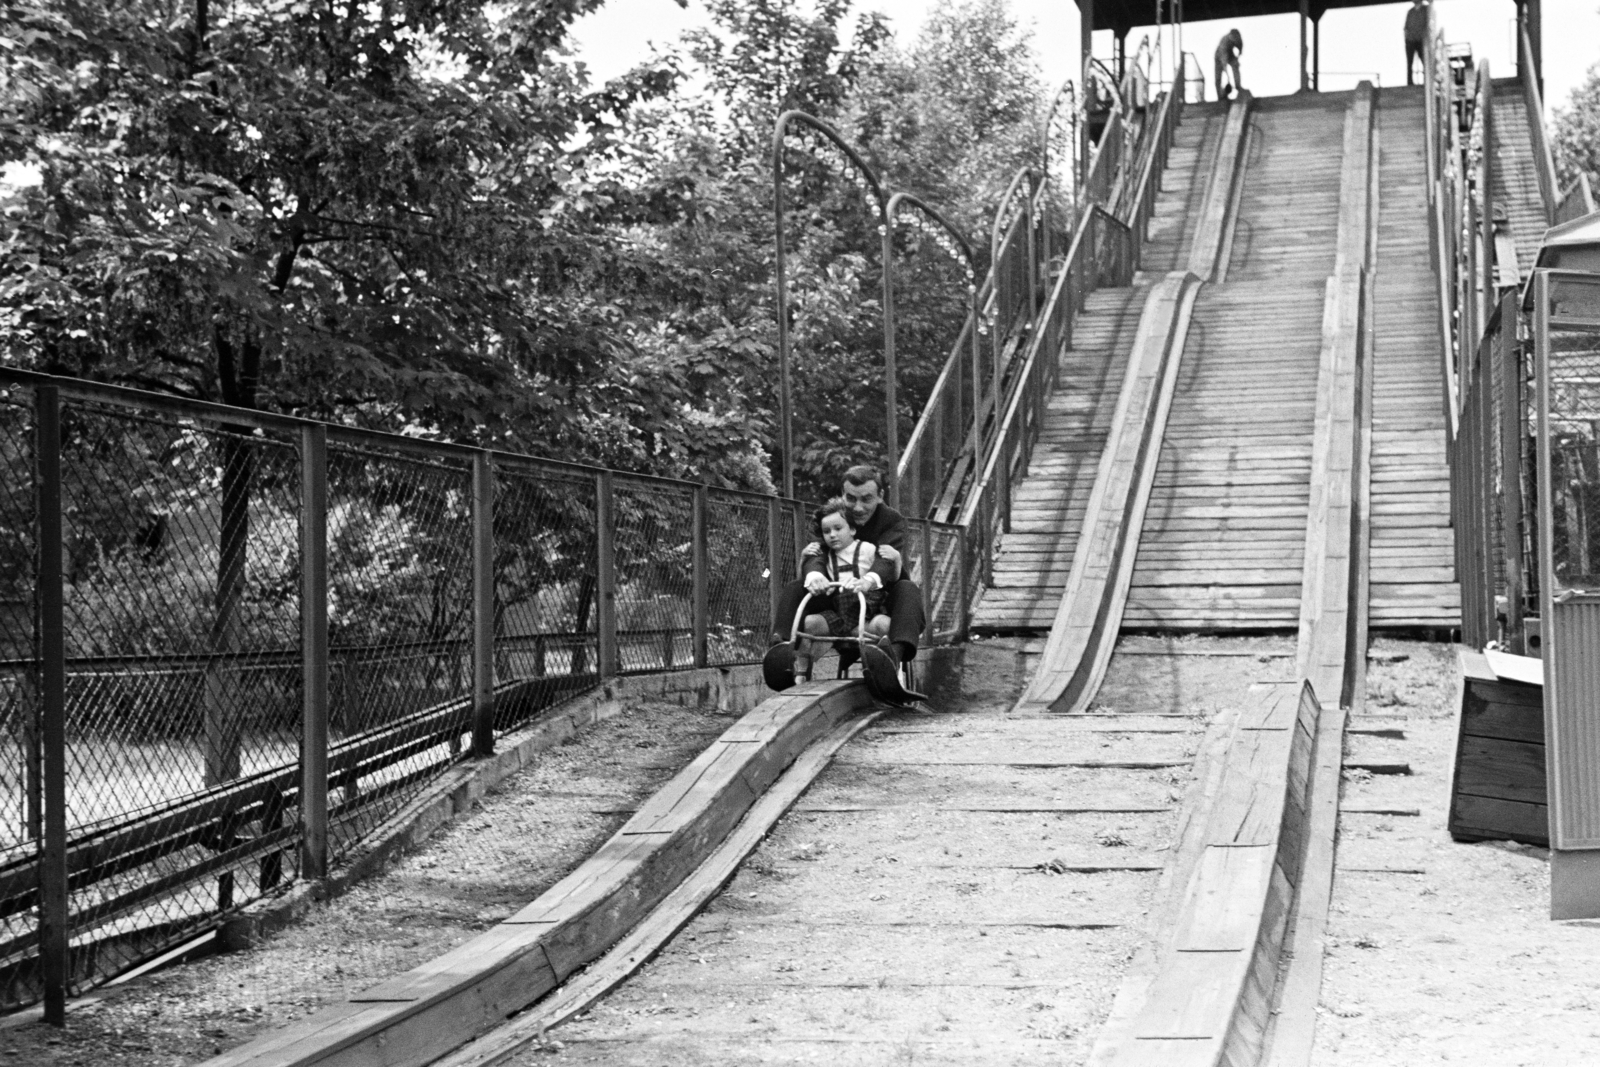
x: 20, y: 803
x: 399, y: 628
x: 738, y: 544
x: 654, y: 574
x: 224, y: 574
x: 545, y: 595
x: 1574, y: 443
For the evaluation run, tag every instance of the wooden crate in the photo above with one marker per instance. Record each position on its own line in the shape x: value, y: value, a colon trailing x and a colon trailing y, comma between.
x: 1498, y: 788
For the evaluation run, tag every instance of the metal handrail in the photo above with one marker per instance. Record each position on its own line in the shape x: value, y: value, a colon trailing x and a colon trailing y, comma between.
x: 1576, y: 202
x: 1544, y: 164
x: 1437, y: 142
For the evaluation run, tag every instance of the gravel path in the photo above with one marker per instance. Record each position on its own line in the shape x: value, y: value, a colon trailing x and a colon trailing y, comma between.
x: 519, y: 841
x: 1439, y: 952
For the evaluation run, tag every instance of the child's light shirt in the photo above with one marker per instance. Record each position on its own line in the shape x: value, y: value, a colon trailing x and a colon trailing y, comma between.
x: 854, y: 560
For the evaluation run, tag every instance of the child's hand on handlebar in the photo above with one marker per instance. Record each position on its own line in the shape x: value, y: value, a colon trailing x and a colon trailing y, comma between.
x: 817, y: 582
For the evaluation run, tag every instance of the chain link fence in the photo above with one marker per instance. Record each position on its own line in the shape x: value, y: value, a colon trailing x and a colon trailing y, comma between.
x: 1574, y: 435
x: 545, y: 588
x: 245, y: 598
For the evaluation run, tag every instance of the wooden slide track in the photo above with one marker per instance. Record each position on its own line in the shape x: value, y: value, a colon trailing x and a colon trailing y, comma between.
x: 1245, y: 439
x: 419, y: 1016
x: 1088, y: 614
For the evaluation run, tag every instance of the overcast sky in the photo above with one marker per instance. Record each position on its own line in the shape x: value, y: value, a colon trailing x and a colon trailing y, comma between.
x: 1356, y: 42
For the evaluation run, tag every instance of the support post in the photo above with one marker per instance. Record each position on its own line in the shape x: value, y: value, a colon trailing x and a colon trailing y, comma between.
x: 927, y: 582
x: 776, y: 573
x: 1316, y: 54
x: 891, y: 434
x: 1085, y: 50
x: 605, y: 521
x: 702, y: 575
x: 1511, y: 440
x: 314, y: 650
x: 1305, y: 75
x: 53, y: 889
x: 1536, y: 41
x: 964, y: 580
x: 779, y: 281
x: 482, y: 605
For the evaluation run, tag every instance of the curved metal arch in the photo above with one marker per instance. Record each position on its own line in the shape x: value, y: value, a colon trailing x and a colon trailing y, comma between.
x: 892, y: 211
x: 1005, y: 212
x: 817, y: 125
x: 1137, y: 68
x: 1066, y: 95
x: 958, y: 243
x: 1096, y: 71
x: 780, y: 277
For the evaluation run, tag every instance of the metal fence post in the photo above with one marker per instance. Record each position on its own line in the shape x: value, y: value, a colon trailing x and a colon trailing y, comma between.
x: 964, y: 582
x: 606, y: 574
x: 701, y: 608
x: 314, y: 649
x: 482, y: 605
x: 928, y: 581
x: 53, y: 948
x: 775, y: 572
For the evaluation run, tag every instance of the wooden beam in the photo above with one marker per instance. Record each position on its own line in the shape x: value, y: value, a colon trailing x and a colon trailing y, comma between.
x: 1086, y: 623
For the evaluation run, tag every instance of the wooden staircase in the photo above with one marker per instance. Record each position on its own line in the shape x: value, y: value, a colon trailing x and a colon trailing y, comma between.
x: 1031, y: 565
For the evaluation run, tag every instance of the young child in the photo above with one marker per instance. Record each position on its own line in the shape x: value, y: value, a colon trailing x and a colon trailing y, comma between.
x: 848, y: 562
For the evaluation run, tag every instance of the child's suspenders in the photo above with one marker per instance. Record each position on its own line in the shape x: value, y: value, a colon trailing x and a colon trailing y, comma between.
x: 855, y: 564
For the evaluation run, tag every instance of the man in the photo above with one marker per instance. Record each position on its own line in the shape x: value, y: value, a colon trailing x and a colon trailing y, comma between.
x: 881, y: 525
x: 1416, y: 35
x: 1227, y: 55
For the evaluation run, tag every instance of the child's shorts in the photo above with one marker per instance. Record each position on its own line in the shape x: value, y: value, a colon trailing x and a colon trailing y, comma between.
x: 842, y: 614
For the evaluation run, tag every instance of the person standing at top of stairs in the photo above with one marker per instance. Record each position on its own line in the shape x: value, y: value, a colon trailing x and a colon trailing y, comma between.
x: 1416, y: 34
x: 1227, y: 56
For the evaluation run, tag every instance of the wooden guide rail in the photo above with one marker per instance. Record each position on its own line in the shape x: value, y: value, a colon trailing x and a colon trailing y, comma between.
x: 1237, y: 982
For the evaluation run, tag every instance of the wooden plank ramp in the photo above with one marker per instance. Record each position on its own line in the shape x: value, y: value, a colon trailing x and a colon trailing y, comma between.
x: 1512, y: 174
x: 1083, y: 632
x: 1223, y: 540
x: 1033, y: 559
x: 1245, y: 953
x: 1413, y: 580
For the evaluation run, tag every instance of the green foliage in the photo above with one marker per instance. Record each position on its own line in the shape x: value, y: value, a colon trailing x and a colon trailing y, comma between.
x: 1577, y: 133
x: 419, y: 215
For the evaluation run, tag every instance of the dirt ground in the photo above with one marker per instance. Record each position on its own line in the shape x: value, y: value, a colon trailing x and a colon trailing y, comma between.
x: 1439, y: 952
x: 520, y: 840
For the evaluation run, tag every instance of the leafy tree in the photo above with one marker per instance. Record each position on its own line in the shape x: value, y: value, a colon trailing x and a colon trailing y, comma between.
x: 1577, y: 133
x: 406, y: 213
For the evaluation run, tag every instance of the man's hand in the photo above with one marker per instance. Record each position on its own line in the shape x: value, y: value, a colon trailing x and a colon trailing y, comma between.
x: 816, y: 582
x: 889, y: 554
x: 811, y: 551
